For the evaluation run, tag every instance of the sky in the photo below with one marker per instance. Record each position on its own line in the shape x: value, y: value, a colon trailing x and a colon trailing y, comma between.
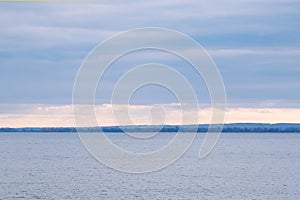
x: 254, y: 43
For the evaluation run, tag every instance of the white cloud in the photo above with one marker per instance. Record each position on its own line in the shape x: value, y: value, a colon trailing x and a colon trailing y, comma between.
x: 260, y: 51
x: 62, y: 115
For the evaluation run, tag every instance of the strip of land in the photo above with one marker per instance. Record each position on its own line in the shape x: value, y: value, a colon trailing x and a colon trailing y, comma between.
x: 201, y: 128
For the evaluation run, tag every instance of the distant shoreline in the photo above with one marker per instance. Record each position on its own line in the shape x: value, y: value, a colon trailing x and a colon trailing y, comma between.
x: 201, y: 128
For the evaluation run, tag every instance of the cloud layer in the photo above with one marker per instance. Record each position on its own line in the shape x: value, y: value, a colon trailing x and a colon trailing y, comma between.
x: 254, y: 43
x: 62, y: 116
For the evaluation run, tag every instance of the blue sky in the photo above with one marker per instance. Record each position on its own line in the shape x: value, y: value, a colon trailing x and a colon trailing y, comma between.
x: 255, y: 45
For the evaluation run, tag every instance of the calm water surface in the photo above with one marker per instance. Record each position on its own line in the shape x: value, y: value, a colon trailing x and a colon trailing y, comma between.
x: 242, y: 166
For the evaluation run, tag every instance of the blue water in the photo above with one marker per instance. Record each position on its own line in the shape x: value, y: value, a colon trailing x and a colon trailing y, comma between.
x: 242, y: 166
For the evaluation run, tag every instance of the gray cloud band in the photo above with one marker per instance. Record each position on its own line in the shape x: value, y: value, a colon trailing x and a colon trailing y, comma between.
x: 99, y: 60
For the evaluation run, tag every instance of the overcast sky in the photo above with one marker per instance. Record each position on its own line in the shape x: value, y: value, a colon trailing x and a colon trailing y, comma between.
x: 254, y: 43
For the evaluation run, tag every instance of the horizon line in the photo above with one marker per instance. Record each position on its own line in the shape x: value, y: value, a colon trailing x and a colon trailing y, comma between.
x: 139, y: 125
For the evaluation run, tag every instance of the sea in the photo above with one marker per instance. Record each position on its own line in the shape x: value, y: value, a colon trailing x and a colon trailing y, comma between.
x: 241, y: 166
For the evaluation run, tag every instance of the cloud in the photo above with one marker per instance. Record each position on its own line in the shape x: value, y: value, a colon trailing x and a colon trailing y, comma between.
x: 62, y: 115
x: 254, y: 43
x: 259, y: 51
x: 65, y: 23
